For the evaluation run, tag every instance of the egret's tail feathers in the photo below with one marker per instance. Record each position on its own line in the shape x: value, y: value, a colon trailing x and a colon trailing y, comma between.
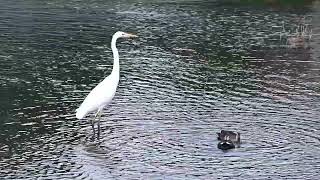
x: 80, y: 113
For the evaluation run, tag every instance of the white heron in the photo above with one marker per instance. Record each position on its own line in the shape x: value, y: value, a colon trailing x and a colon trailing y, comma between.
x: 102, y: 94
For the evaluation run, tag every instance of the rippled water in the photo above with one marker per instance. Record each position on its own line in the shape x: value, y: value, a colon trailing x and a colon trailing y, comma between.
x: 197, y: 68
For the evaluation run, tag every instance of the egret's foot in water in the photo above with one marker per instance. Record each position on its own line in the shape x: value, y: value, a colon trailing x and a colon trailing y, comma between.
x: 92, y: 125
x: 99, y: 129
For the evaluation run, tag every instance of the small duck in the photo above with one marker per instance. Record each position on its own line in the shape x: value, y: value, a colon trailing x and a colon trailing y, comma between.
x: 228, y: 140
x: 225, y: 145
x: 229, y: 136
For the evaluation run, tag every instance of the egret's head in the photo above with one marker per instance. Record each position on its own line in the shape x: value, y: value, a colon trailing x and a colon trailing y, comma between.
x: 121, y: 34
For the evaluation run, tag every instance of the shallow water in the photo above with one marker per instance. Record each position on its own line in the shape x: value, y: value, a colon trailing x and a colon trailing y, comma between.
x: 197, y: 68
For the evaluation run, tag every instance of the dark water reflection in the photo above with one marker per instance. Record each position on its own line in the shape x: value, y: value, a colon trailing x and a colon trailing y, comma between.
x: 196, y: 68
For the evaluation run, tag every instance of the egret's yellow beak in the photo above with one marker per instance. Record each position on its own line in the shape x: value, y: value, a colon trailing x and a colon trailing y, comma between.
x: 129, y: 35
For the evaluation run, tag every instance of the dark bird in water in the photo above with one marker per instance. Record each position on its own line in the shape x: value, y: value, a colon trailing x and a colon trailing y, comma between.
x: 228, y: 139
x: 225, y: 145
x: 229, y: 135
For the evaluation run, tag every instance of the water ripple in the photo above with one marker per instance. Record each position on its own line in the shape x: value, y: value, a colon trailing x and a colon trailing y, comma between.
x: 197, y: 68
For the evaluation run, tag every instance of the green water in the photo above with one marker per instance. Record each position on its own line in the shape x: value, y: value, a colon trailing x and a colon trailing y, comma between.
x: 197, y: 67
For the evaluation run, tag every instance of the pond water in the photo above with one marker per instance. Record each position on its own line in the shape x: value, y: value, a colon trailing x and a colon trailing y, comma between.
x: 196, y: 68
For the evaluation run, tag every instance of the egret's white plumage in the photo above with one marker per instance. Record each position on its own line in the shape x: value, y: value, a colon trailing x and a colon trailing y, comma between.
x: 100, y: 96
x: 103, y: 93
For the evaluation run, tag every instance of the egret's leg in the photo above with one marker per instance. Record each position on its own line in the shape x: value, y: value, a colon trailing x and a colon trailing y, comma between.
x: 92, y: 122
x: 99, y: 117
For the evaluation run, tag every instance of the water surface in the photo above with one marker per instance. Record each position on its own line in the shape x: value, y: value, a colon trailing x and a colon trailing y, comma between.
x: 197, y: 68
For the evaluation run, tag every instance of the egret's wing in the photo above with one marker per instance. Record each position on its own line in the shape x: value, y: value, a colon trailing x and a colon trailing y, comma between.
x: 100, y: 96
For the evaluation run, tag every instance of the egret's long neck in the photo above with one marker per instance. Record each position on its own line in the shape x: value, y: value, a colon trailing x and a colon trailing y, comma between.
x: 116, y: 67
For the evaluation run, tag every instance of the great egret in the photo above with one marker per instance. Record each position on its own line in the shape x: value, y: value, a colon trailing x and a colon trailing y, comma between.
x: 102, y: 94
